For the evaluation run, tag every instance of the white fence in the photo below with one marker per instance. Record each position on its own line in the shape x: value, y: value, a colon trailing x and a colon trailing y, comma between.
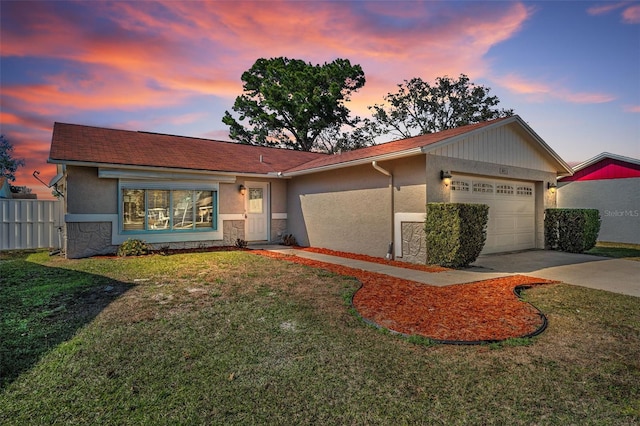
x: 30, y: 224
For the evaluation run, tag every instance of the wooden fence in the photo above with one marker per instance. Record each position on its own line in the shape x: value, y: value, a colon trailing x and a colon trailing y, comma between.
x: 30, y: 224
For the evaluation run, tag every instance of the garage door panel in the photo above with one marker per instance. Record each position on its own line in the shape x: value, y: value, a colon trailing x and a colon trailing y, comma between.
x: 505, y: 224
x: 525, y: 223
x: 526, y: 240
x: 511, y: 224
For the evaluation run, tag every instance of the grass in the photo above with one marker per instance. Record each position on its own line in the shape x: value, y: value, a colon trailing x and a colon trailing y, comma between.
x: 234, y: 338
x: 616, y: 250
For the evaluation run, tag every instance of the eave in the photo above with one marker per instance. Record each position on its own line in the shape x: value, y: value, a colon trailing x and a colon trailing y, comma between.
x: 358, y: 162
x: 108, y: 170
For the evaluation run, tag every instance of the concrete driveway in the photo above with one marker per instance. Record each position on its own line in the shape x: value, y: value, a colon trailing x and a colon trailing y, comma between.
x: 615, y: 275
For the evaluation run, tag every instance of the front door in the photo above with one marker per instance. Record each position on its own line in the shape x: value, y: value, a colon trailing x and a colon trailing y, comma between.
x: 256, y: 208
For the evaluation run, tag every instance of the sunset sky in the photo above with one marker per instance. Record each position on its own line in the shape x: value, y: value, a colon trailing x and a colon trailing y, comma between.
x: 570, y: 69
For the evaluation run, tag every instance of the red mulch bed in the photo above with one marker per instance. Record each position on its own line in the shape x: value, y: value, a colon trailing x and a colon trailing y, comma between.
x: 483, y: 311
x: 364, y: 257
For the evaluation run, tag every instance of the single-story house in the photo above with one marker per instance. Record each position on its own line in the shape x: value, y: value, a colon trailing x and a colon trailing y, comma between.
x: 188, y: 192
x: 611, y: 184
x: 6, y: 193
x: 5, y: 188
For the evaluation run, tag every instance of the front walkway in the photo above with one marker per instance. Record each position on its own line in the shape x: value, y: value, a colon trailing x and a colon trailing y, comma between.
x: 438, y: 279
x: 615, y: 275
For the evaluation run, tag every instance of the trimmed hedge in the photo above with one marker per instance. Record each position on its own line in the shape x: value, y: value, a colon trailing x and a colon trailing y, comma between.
x: 571, y: 230
x: 456, y: 233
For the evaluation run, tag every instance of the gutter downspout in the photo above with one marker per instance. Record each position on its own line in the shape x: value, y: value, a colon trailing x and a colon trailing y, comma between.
x: 375, y: 165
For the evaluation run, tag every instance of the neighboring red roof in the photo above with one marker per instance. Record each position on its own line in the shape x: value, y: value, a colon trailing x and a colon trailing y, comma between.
x: 85, y: 144
x: 605, y: 166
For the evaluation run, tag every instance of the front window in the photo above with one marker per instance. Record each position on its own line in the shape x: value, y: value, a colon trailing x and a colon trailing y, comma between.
x: 168, y: 210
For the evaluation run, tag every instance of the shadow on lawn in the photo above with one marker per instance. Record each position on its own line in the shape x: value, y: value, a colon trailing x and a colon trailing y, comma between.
x: 42, y: 307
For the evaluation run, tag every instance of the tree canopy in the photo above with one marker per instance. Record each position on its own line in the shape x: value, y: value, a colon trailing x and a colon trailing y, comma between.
x: 419, y: 108
x: 8, y: 164
x: 291, y: 103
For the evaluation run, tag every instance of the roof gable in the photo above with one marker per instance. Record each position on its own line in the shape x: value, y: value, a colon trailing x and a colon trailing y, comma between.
x: 605, y: 166
x: 510, y: 142
x: 460, y: 142
x: 87, y: 145
x: 394, y: 149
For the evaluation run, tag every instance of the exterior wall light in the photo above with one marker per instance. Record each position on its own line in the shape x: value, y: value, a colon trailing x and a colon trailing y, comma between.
x: 551, y: 186
x: 445, y: 176
x: 242, y: 189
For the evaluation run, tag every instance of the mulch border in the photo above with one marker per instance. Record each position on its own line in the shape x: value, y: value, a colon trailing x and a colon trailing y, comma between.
x: 372, y: 279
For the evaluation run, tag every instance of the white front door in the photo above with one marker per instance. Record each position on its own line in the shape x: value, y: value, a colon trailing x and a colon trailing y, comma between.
x: 256, y: 208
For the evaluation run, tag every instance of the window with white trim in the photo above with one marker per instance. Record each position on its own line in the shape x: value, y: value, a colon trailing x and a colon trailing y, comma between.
x: 168, y: 210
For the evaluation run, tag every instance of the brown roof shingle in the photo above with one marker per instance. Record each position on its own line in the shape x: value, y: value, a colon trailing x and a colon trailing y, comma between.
x: 87, y: 144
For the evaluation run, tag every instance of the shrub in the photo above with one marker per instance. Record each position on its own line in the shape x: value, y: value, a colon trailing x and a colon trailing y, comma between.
x: 571, y: 230
x: 289, y: 240
x: 133, y: 247
x: 456, y: 233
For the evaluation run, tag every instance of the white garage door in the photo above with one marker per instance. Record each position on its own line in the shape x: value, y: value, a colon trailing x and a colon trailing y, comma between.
x: 511, y: 210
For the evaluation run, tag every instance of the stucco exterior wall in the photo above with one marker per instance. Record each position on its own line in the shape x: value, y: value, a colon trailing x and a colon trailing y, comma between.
x: 617, y: 200
x: 350, y: 209
x: 345, y: 209
x: 230, y: 199
x: 88, y: 194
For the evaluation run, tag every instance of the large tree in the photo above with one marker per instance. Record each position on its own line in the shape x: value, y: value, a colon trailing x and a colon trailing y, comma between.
x: 290, y: 103
x: 8, y: 164
x: 360, y: 133
x: 419, y: 108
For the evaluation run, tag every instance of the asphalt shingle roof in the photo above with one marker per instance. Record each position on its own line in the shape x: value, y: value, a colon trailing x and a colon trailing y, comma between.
x: 86, y: 144
x: 97, y: 145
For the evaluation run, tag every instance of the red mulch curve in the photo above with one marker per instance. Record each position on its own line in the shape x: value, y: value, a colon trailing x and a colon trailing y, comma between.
x: 481, y: 311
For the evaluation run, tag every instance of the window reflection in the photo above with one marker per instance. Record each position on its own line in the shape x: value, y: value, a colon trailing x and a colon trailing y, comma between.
x: 156, y: 209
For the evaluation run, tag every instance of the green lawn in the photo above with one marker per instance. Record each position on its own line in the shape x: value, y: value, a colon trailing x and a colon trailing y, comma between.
x: 234, y: 338
x: 617, y: 250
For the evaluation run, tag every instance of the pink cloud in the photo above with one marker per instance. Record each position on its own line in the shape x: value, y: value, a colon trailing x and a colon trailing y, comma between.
x: 212, y: 43
x: 540, y: 91
x: 606, y: 8
x: 632, y: 108
x: 131, y: 56
x: 631, y: 15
